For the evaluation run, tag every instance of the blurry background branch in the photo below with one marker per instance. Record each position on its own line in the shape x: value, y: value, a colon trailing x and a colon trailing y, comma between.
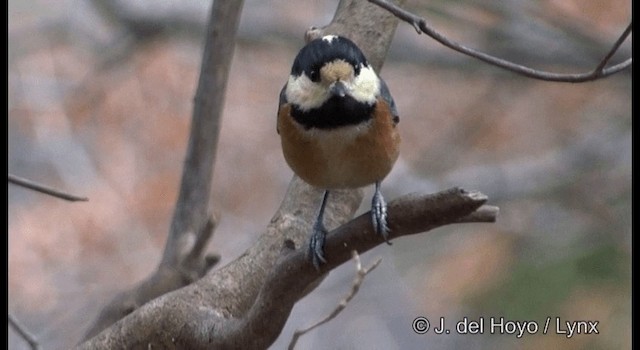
x: 32, y: 185
x: 600, y: 71
x: 184, y: 259
x: 24, y: 333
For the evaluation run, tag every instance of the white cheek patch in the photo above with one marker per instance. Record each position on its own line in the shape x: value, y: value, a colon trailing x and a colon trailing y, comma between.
x: 307, y: 95
x: 304, y: 93
x: 366, y: 86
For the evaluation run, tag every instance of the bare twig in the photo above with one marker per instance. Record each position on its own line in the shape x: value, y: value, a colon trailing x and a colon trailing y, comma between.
x: 23, y: 333
x: 195, y: 263
x: 355, y: 287
x: 615, y: 48
x: 32, y: 185
x: 421, y: 26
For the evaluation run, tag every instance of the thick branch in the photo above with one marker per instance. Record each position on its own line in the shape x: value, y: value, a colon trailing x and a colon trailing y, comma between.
x: 163, y: 280
x: 220, y: 298
x: 409, y: 215
x: 421, y: 26
x: 193, y: 318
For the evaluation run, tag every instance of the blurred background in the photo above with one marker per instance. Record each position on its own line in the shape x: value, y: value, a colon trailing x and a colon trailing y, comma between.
x: 100, y: 98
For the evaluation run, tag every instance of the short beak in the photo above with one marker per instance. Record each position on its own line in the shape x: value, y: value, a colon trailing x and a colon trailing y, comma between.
x: 338, y: 89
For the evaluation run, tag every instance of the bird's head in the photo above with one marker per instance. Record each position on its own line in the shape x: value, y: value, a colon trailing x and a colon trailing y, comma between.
x: 331, y: 69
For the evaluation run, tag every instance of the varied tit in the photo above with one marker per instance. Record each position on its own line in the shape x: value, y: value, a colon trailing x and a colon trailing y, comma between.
x: 337, y: 123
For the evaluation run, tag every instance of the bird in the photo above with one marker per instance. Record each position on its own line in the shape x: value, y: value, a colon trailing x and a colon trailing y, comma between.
x: 337, y: 123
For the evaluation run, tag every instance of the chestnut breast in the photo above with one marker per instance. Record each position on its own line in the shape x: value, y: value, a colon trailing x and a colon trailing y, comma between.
x: 348, y: 156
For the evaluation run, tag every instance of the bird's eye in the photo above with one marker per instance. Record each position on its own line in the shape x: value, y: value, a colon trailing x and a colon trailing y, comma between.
x: 314, y: 75
x: 356, y: 69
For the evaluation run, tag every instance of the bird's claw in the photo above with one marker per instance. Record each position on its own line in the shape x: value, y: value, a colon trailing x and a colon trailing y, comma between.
x: 316, y: 245
x: 379, y: 215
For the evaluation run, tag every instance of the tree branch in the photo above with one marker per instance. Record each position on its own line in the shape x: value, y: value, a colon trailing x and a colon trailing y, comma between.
x: 192, y: 224
x: 192, y: 208
x: 30, y: 339
x: 218, y: 298
x: 292, y: 276
x: 32, y: 185
x: 421, y: 26
x: 163, y: 280
x: 219, y: 311
x: 616, y: 46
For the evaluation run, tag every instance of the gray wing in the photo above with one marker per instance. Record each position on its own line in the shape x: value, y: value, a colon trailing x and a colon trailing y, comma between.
x: 386, y: 94
x: 283, y: 100
x: 283, y: 96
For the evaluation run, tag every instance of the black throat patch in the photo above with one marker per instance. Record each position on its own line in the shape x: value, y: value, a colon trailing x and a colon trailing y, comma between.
x: 334, y: 113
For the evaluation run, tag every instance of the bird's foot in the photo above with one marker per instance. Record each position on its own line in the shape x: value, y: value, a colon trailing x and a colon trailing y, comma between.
x: 316, y: 245
x: 379, y: 214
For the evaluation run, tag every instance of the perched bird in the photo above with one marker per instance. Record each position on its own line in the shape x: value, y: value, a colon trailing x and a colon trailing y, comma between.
x: 337, y: 124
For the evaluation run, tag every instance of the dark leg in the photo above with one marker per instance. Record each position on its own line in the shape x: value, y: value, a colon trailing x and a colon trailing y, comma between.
x: 379, y: 214
x: 316, y: 244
